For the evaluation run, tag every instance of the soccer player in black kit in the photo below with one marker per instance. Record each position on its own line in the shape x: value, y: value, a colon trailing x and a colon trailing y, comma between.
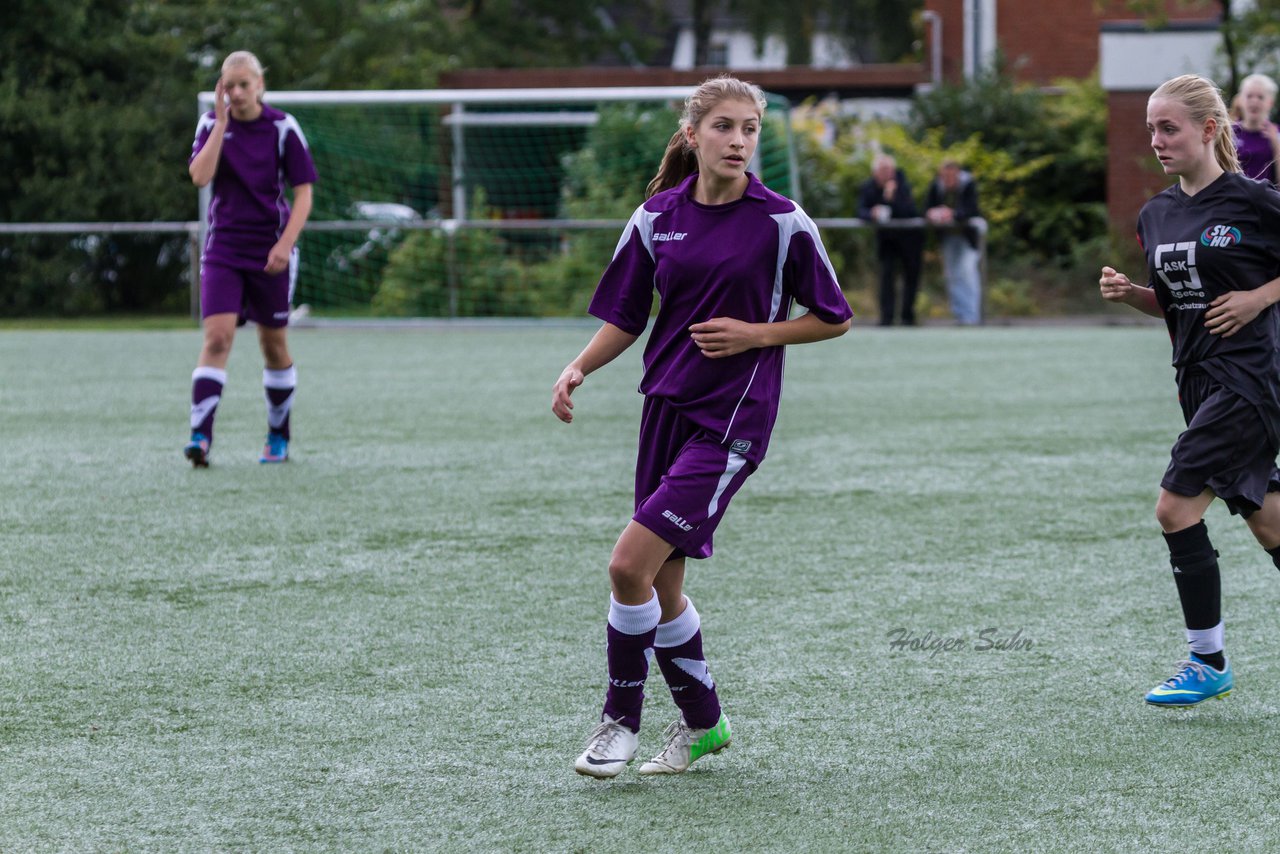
x: 1212, y: 243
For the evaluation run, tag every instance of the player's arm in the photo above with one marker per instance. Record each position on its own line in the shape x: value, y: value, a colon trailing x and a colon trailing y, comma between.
x: 607, y: 344
x: 1234, y: 310
x: 725, y: 336
x: 1116, y: 287
x: 205, y: 164
x: 278, y: 257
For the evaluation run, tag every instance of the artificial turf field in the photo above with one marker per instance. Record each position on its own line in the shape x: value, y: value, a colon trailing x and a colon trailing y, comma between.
x: 396, y: 640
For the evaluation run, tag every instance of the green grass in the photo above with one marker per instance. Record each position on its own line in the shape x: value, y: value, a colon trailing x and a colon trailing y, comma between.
x: 395, y: 642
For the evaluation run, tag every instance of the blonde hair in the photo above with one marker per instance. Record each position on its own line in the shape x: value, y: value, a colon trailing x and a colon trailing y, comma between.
x: 1268, y: 85
x: 679, y: 161
x: 1203, y: 101
x: 244, y: 57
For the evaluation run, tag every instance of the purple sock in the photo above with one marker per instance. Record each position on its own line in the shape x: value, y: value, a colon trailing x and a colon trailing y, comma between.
x: 630, y: 631
x: 678, y: 648
x: 206, y: 391
x: 279, y: 387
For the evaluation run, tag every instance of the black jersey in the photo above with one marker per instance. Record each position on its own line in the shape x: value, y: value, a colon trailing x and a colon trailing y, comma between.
x: 1224, y: 238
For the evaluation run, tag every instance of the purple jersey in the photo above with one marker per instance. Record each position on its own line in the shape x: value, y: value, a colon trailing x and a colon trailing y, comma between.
x: 747, y: 260
x: 248, y: 210
x: 1257, y: 160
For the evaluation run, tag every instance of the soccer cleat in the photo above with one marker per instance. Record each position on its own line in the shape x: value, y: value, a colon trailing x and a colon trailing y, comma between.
x: 276, y: 450
x: 197, y: 450
x: 610, y: 748
x: 686, y: 745
x: 1193, y: 682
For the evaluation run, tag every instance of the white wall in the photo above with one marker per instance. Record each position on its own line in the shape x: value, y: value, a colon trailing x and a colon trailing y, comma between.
x: 1140, y: 60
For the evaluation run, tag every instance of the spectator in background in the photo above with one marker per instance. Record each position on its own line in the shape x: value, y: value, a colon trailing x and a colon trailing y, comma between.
x: 1257, y: 137
x: 950, y: 205
x: 884, y: 197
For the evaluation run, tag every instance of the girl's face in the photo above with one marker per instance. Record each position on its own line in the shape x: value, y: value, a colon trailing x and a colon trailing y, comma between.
x: 244, y: 88
x: 1255, y: 102
x: 725, y: 140
x: 1181, y: 146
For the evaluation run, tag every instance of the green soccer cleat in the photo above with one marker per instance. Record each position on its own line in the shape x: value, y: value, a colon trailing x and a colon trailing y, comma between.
x: 686, y: 745
x: 1193, y: 682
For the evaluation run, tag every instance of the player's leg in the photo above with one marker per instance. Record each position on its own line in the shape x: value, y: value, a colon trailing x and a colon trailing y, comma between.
x: 207, y: 382
x: 1194, y: 562
x: 634, y: 612
x: 1265, y: 523
x: 268, y: 297
x: 221, y: 296
x: 702, y: 727
x: 279, y: 382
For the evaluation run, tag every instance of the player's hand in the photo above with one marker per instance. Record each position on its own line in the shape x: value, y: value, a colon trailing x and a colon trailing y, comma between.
x: 1232, y: 311
x: 1115, y: 287
x: 561, y: 405
x: 723, y: 336
x: 278, y: 258
x: 220, y: 107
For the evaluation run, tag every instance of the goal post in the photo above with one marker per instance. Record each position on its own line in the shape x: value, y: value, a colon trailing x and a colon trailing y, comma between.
x: 484, y: 202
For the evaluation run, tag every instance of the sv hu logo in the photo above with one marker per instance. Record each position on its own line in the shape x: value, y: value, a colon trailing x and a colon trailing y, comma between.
x: 1220, y: 236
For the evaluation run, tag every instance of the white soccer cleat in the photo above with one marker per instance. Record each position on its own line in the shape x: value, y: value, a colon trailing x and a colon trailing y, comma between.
x: 610, y: 748
x: 686, y: 745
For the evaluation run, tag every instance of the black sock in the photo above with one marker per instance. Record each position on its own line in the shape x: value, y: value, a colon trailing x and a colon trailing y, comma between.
x: 1275, y: 556
x: 1195, y: 571
x: 1216, y: 660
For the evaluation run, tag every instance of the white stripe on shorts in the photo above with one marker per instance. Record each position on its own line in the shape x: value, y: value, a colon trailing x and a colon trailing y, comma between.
x: 732, y: 467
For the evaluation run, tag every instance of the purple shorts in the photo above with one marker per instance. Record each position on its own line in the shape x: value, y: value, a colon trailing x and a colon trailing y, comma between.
x: 254, y: 295
x: 1224, y: 448
x: 685, y: 478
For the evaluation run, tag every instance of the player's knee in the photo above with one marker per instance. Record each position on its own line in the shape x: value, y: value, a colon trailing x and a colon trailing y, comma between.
x: 218, y: 342
x: 628, y: 574
x: 1173, y: 516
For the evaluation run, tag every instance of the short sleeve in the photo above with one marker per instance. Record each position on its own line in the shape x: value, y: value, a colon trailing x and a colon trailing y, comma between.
x: 624, y: 295
x: 809, y: 275
x: 299, y: 168
x: 203, y: 128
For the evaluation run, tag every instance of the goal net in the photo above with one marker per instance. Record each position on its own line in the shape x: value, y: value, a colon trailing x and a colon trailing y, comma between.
x: 473, y: 203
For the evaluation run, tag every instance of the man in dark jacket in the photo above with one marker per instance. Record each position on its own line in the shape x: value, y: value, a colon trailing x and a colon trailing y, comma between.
x: 885, y: 197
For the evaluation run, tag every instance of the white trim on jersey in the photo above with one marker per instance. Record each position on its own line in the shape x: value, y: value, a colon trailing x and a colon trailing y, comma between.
x: 642, y: 221
x: 732, y: 467
x: 790, y: 224
x: 283, y: 126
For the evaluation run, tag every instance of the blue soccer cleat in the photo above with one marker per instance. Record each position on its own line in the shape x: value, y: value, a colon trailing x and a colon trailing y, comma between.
x: 197, y: 450
x: 1193, y: 682
x: 276, y: 450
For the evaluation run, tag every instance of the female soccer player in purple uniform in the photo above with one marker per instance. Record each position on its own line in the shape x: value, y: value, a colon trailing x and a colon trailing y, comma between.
x: 250, y: 262
x: 1257, y: 137
x: 1212, y: 243
x: 727, y: 257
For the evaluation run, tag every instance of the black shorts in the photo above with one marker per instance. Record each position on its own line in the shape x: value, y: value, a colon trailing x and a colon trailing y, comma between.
x: 1225, y: 447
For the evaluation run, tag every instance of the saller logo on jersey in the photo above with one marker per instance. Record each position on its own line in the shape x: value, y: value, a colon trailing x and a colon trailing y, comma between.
x: 1220, y: 236
x: 670, y: 235
x: 678, y: 521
